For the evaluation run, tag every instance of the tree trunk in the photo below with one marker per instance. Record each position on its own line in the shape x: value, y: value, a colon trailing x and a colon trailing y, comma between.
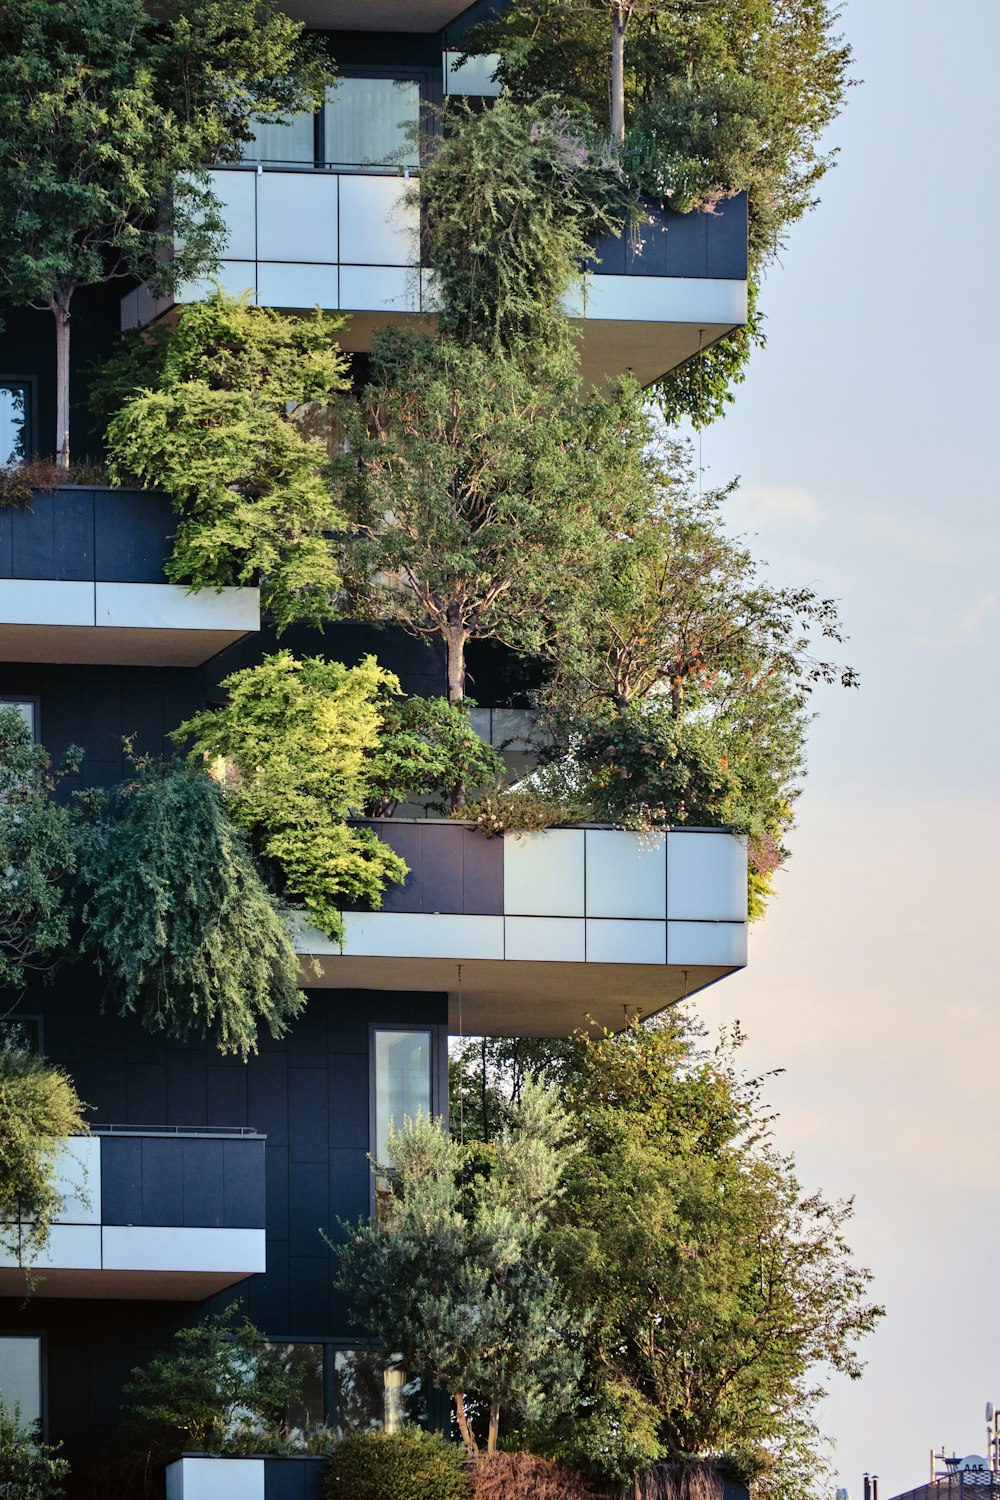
x: 471, y: 1446
x: 455, y: 637
x: 491, y: 1446
x: 60, y: 311
x: 620, y: 12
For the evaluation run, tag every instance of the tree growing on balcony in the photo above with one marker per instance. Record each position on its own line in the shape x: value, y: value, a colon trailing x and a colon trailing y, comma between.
x: 39, y: 1108
x: 468, y: 489
x: 109, y: 115
x: 701, y: 99
x: 222, y: 413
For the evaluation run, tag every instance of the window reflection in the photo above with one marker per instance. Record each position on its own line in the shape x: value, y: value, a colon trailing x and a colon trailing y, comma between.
x: 402, y: 1082
x: 306, y: 1413
x: 21, y: 1377
x: 14, y: 417
x: 367, y: 1396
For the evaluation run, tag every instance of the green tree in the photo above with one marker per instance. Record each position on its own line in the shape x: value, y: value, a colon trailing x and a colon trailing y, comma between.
x: 454, y: 1275
x: 715, y: 1286
x: 221, y: 411
x: 29, y: 1468
x: 39, y: 1108
x: 176, y: 914
x: 37, y: 855
x: 110, y: 115
x: 469, y: 496
x: 427, y: 748
x: 295, y: 745
x: 221, y: 1389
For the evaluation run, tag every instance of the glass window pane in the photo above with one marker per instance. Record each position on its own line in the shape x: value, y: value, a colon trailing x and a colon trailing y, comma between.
x: 13, y: 423
x: 367, y: 1396
x: 21, y: 1377
x: 290, y: 141
x: 20, y: 1034
x: 372, y: 121
x: 306, y: 1414
x: 402, y: 1082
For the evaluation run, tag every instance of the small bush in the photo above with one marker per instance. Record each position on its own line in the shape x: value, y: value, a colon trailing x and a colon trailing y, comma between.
x: 18, y: 482
x: 407, y: 1465
x: 522, y: 810
x: 526, y: 1476
x: 29, y: 1469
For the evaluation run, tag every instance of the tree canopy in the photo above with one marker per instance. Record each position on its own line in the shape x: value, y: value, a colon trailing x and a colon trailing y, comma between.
x: 453, y: 1275
x: 110, y: 114
x: 176, y: 915
x: 710, y: 1289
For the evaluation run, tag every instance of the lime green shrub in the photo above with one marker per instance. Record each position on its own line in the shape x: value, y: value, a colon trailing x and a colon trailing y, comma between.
x: 407, y: 1465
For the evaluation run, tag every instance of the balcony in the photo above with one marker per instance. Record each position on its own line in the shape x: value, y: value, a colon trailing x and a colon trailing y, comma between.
x: 347, y: 242
x: 531, y: 934
x: 81, y: 581
x: 164, y: 1217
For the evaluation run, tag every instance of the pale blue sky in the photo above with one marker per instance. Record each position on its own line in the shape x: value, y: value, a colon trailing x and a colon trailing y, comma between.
x: 865, y: 436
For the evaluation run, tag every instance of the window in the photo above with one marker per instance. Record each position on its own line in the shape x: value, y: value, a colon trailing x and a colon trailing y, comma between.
x: 372, y: 121
x: 291, y: 141
x: 28, y: 709
x: 307, y: 1413
x: 367, y: 1396
x: 16, y: 418
x: 21, y: 1376
x: 402, y: 1082
x: 20, y: 1034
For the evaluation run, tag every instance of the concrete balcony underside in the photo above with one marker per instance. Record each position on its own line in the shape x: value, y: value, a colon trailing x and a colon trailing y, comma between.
x: 82, y: 581
x: 534, y: 935
x: 375, y: 15
x: 349, y: 242
x: 172, y: 1218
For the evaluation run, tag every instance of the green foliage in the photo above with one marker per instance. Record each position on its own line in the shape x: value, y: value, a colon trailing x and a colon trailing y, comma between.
x: 716, y: 1286
x: 702, y: 387
x: 299, y: 739
x: 468, y: 491
x: 222, y: 1389
x: 216, y: 412
x: 110, y: 117
x: 427, y: 748
x: 29, y: 1468
x: 524, y: 809
x: 453, y: 1275
x: 408, y: 1465
x: 177, y: 917
x: 36, y: 854
x: 39, y: 1108
x: 717, y: 98
x: 511, y: 194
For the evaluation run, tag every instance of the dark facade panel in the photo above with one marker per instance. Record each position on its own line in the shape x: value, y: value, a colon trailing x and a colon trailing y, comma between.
x: 293, y: 1478
x: 699, y: 245
x: 77, y: 535
x: 453, y: 870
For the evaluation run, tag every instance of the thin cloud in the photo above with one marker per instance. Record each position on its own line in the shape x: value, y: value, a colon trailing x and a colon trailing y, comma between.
x: 762, y: 503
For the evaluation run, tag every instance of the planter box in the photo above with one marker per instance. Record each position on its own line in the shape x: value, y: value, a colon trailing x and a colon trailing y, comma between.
x: 282, y: 1477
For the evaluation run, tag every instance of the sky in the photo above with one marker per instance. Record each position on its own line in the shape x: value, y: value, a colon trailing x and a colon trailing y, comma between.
x: 866, y: 436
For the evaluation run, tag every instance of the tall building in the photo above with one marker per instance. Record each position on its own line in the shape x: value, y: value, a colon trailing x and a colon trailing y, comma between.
x: 206, y: 1178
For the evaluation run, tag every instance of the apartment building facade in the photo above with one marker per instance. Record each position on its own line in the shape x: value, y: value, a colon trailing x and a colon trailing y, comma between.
x: 206, y: 1178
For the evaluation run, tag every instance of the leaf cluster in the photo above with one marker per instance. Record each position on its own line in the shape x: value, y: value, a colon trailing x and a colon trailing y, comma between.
x: 223, y: 1388
x: 427, y: 748
x: 176, y: 915
x: 29, y: 1468
x: 37, y: 854
x: 215, y: 412
x: 297, y: 742
x: 511, y: 195
x: 409, y: 1465
x: 39, y: 1108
